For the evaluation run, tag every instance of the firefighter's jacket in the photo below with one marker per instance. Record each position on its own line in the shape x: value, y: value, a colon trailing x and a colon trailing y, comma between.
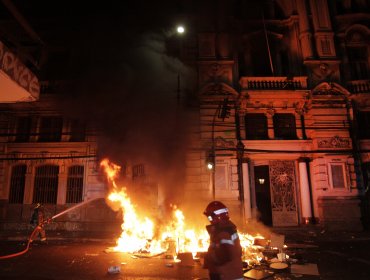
x: 224, y: 255
x: 38, y: 217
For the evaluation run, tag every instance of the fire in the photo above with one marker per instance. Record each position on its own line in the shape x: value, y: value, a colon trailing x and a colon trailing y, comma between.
x: 141, y: 235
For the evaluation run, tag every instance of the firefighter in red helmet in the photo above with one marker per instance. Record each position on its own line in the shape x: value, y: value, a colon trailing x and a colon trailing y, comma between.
x: 224, y: 256
x: 38, y: 220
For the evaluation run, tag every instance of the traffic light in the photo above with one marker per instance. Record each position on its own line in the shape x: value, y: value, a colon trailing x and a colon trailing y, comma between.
x: 210, y: 160
x: 225, y: 110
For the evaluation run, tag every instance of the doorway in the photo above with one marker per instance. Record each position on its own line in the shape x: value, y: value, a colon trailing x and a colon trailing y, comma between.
x: 263, y: 195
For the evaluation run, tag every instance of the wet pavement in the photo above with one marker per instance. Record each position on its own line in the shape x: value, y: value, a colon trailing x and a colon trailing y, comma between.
x: 330, y: 255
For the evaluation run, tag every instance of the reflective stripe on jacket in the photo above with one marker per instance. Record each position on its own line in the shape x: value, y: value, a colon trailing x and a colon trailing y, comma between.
x: 224, y: 256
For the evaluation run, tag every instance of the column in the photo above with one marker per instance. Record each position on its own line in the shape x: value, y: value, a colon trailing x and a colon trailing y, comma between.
x: 247, y: 192
x: 28, y: 186
x: 305, y: 192
x: 62, y: 184
x: 324, y: 36
x: 270, y: 125
x: 305, y: 34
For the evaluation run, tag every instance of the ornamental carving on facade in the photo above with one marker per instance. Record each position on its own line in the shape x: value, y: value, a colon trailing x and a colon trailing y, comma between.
x: 221, y: 142
x: 215, y: 73
x: 282, y: 186
x: 334, y: 142
x: 330, y: 89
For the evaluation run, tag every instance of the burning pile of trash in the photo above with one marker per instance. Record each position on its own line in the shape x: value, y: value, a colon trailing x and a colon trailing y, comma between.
x: 141, y: 237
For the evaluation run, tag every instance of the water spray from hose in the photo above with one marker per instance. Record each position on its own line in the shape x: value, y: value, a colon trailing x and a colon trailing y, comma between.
x: 47, y: 221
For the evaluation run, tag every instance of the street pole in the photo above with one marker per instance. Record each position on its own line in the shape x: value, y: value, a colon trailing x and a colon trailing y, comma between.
x: 213, y: 151
x: 239, y: 154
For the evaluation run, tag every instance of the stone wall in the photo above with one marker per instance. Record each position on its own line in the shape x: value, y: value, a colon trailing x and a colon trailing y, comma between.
x: 340, y: 213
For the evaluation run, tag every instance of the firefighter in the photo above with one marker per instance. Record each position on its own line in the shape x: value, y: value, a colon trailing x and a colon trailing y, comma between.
x: 38, y: 221
x: 224, y: 256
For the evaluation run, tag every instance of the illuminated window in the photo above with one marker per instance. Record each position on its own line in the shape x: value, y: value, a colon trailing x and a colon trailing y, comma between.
x: 17, y: 182
x: 256, y: 127
x: 337, y: 176
x: 46, y: 184
x: 75, y: 184
x: 50, y: 129
x: 284, y: 126
x: 23, y: 129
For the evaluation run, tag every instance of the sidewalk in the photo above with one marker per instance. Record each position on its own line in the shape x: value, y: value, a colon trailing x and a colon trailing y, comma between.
x: 77, y: 236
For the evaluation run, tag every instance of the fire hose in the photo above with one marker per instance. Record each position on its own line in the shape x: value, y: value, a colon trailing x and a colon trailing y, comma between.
x: 42, y: 224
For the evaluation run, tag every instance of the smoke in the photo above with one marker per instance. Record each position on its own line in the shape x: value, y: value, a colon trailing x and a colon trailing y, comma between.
x: 126, y: 86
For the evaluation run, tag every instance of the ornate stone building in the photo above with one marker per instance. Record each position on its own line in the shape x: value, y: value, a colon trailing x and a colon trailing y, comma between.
x: 283, y: 89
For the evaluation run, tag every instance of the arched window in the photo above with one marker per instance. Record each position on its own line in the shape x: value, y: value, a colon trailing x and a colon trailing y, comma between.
x: 17, y: 182
x: 46, y: 184
x: 75, y: 184
x: 358, y: 54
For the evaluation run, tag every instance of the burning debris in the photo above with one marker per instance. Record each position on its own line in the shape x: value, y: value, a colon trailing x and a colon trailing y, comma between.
x: 178, y: 243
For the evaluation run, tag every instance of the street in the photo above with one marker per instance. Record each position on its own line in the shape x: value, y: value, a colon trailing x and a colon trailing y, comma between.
x: 337, y: 256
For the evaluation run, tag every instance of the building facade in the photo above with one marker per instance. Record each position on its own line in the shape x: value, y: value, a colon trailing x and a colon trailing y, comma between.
x: 284, y: 108
x: 281, y: 110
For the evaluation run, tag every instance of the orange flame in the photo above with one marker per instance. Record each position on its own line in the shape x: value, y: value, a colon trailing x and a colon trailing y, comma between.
x: 138, y: 234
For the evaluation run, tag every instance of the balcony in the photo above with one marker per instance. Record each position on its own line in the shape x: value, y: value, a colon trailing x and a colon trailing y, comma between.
x: 360, y: 86
x: 273, y: 83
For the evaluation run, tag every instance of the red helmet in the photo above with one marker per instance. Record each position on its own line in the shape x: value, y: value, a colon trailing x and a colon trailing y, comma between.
x: 216, y: 211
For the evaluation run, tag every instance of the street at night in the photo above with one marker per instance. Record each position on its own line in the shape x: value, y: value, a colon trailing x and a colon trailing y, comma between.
x: 338, y: 255
x: 185, y: 139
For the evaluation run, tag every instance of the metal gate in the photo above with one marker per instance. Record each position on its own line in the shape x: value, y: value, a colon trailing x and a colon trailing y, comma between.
x: 283, y: 193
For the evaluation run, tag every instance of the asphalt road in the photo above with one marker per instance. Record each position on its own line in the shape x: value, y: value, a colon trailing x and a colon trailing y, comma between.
x: 59, y: 260
x: 337, y: 257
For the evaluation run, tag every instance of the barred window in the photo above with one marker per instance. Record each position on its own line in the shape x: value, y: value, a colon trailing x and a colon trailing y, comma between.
x: 46, y: 184
x: 23, y: 130
x: 75, y: 184
x: 138, y: 170
x: 17, y: 182
x: 51, y: 129
x: 284, y: 126
x: 256, y: 127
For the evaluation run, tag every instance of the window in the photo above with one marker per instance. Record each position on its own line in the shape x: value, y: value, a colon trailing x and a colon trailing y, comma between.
x: 46, y: 184
x: 50, y: 129
x: 23, y: 129
x: 256, y: 127
x: 138, y: 170
x: 337, y: 176
x: 75, y: 184
x: 78, y: 131
x: 358, y: 62
x: 17, y: 182
x: 284, y: 126
x: 363, y: 122
x: 220, y: 177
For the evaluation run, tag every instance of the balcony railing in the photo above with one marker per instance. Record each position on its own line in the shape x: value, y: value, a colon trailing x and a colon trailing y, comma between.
x: 273, y: 83
x: 360, y: 86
